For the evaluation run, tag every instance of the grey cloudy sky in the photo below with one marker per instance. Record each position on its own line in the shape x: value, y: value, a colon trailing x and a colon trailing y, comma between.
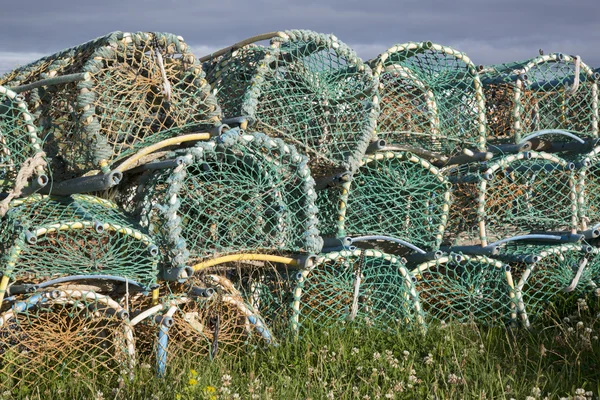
x: 488, y: 31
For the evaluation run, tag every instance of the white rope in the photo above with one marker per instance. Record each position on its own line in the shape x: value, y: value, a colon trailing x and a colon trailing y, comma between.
x: 166, y: 83
x: 573, y: 88
x: 573, y: 284
x: 357, y: 282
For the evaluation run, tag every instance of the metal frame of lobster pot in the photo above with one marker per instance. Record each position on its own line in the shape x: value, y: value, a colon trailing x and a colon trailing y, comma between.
x: 431, y: 99
x: 103, y: 100
x: 306, y: 88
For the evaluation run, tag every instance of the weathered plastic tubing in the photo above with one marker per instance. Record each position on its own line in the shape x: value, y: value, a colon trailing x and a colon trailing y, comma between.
x: 430, y: 156
x: 59, y: 80
x: 242, y: 121
x: 162, y: 350
x: 85, y: 184
x: 421, y: 258
x: 469, y: 158
x: 525, y: 258
x: 552, y: 132
x: 388, y: 239
x: 509, y: 148
x: 246, y: 257
x: 177, y: 274
x: 542, y: 237
x: 153, y: 166
x: 337, y: 242
x: 245, y: 42
x: 376, y: 145
x: 489, y: 250
x: 87, y: 277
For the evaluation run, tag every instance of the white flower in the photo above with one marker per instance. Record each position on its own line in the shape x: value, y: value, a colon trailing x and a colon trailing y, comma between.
x: 428, y: 359
x: 536, y: 391
x: 330, y: 395
x: 376, y: 356
x: 354, y: 350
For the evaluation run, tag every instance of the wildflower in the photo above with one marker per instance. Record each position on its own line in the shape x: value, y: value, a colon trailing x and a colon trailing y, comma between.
x: 588, y: 330
x: 354, y: 390
x: 376, y: 356
x: 481, y: 348
x: 226, y: 379
x: 399, y: 387
x: 236, y: 396
x: 566, y: 320
x: 529, y: 398
x: 428, y: 360
x: 536, y: 392
x: 580, y: 392
x: 579, y: 325
x: 311, y: 370
x: 330, y: 395
x: 595, y: 337
x: 178, y: 396
x: 389, y: 395
x: 406, y: 354
x: 192, y: 382
x: 452, y: 379
x: 570, y: 330
x: 193, y: 373
x: 209, y: 390
x: 354, y: 350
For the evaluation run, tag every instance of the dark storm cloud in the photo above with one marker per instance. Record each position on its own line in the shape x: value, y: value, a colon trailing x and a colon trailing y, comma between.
x: 488, y: 31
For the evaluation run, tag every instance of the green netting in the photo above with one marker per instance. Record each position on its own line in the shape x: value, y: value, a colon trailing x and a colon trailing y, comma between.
x: 103, y: 100
x: 553, y: 91
x: 44, y: 237
x: 365, y: 286
x: 395, y: 194
x: 18, y: 138
x: 466, y: 288
x: 545, y: 273
x: 431, y: 98
x: 242, y: 193
x: 309, y: 89
x: 67, y: 335
x: 588, y: 186
x: 514, y: 195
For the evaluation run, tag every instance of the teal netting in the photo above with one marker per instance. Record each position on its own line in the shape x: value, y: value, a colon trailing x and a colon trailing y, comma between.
x: 307, y: 88
x: 241, y: 193
x: 45, y: 237
x: 466, y: 288
x: 553, y: 91
x: 105, y: 99
x: 431, y: 98
x: 365, y: 286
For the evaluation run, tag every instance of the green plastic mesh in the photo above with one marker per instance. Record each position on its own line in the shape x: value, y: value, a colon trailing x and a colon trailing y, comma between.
x: 62, y: 337
x: 513, y: 195
x: 18, y: 137
x: 45, y: 237
x: 107, y: 98
x: 396, y: 194
x: 243, y: 193
x: 431, y: 98
x: 545, y: 273
x: 553, y: 91
x: 465, y: 288
x: 365, y: 286
x: 308, y: 88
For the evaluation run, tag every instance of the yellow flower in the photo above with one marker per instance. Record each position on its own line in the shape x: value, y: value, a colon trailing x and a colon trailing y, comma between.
x: 210, y: 390
x: 177, y: 396
x: 194, y: 373
x: 192, y: 382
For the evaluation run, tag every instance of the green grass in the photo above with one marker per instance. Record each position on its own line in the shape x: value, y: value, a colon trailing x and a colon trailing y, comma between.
x: 556, y: 358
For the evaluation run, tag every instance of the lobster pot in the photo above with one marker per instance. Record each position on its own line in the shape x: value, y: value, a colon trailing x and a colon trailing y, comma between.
x: 307, y: 88
x: 105, y: 99
x: 365, y: 286
x: 431, y: 98
x: 553, y: 91
x: 395, y: 194
x: 18, y: 140
x: 465, y: 288
x: 66, y: 335
x: 207, y: 316
x: 243, y: 193
x: 547, y: 273
x: 588, y: 185
x: 45, y: 238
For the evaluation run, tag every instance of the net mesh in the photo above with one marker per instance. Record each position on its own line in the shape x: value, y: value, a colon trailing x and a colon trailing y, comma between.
x: 465, y: 288
x: 553, y: 91
x: 109, y: 97
x: 46, y: 237
x: 431, y: 98
x: 512, y: 195
x: 365, y: 286
x: 18, y: 137
x: 244, y: 193
x: 400, y: 195
x: 545, y: 273
x: 62, y: 336
x: 309, y: 89
x: 588, y: 187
